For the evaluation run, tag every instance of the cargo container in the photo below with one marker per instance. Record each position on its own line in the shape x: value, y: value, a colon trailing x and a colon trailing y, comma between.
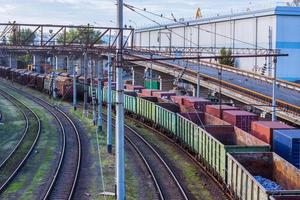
x: 149, y: 92
x: 286, y: 143
x: 264, y: 129
x: 195, y: 117
x: 177, y: 99
x: 64, y: 86
x: 152, y: 85
x: 244, y: 168
x: 163, y: 95
x: 8, y: 73
x: 3, y: 72
x: 194, y: 104
x: 19, y: 73
x: 40, y: 81
x: 135, y: 88
x: 26, y: 76
x: 149, y: 98
x: 32, y: 80
x: 173, y: 107
x: 217, y: 110
x: 130, y: 93
x: 64, y: 74
x: 47, y: 83
x: 241, y: 119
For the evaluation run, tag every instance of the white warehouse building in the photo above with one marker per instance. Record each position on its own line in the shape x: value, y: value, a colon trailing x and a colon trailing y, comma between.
x: 243, y: 30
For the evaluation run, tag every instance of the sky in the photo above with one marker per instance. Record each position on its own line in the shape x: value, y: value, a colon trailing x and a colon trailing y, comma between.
x: 103, y: 12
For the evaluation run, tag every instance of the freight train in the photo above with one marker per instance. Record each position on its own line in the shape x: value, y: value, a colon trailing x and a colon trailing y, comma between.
x: 236, y: 158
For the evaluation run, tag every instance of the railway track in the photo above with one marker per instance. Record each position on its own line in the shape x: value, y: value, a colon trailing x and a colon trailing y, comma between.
x: 167, y: 184
x: 66, y: 174
x: 10, y: 167
x: 227, y: 194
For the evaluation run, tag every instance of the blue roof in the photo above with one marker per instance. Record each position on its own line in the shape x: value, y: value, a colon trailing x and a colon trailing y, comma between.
x: 278, y: 10
x: 291, y: 133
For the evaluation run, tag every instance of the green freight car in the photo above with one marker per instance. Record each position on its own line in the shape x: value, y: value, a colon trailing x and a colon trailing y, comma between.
x: 152, y: 85
x: 212, y: 147
x: 165, y: 119
x: 146, y: 109
x: 243, y: 169
x: 130, y: 103
x: 105, y: 95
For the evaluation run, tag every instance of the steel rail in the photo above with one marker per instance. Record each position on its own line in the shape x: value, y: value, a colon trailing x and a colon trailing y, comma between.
x: 48, y: 107
x: 189, y: 154
x: 24, y: 132
x: 19, y: 166
x: 161, y: 159
x: 146, y: 163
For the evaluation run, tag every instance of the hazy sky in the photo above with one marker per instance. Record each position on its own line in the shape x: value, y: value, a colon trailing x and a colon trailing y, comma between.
x: 103, y: 11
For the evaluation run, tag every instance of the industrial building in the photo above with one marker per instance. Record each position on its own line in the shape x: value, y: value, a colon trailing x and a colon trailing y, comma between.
x: 276, y: 27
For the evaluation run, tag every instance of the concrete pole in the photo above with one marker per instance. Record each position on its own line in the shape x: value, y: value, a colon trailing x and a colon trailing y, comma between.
x: 270, y: 47
x: 109, y: 105
x: 93, y: 91
x: 54, y: 85
x: 100, y: 79
x: 151, y: 75
x: 133, y: 76
x: 120, y: 155
x: 10, y: 61
x: 74, y: 87
x: 56, y: 63
x: 85, y: 89
x: 274, y: 91
x: 160, y: 82
x: 34, y: 63
x: 198, y: 83
x: 68, y: 64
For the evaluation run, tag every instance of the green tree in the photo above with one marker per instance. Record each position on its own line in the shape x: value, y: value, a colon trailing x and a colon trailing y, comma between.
x: 79, y: 36
x: 24, y: 61
x: 226, y: 58
x: 25, y: 36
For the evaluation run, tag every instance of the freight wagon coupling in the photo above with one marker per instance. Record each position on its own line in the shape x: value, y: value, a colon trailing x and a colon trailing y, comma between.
x: 245, y: 168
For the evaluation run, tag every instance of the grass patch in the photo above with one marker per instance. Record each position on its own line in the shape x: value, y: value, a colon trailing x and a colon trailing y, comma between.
x: 188, y: 170
x: 35, y: 172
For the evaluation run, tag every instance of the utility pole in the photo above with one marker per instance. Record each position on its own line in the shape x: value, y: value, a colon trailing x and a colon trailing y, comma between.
x: 120, y: 157
x: 151, y: 75
x: 220, y: 90
x: 100, y: 79
x: 74, y: 86
x: 270, y: 47
x: 85, y: 95
x: 198, y: 82
x: 109, y: 105
x: 93, y: 92
x: 274, y: 90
